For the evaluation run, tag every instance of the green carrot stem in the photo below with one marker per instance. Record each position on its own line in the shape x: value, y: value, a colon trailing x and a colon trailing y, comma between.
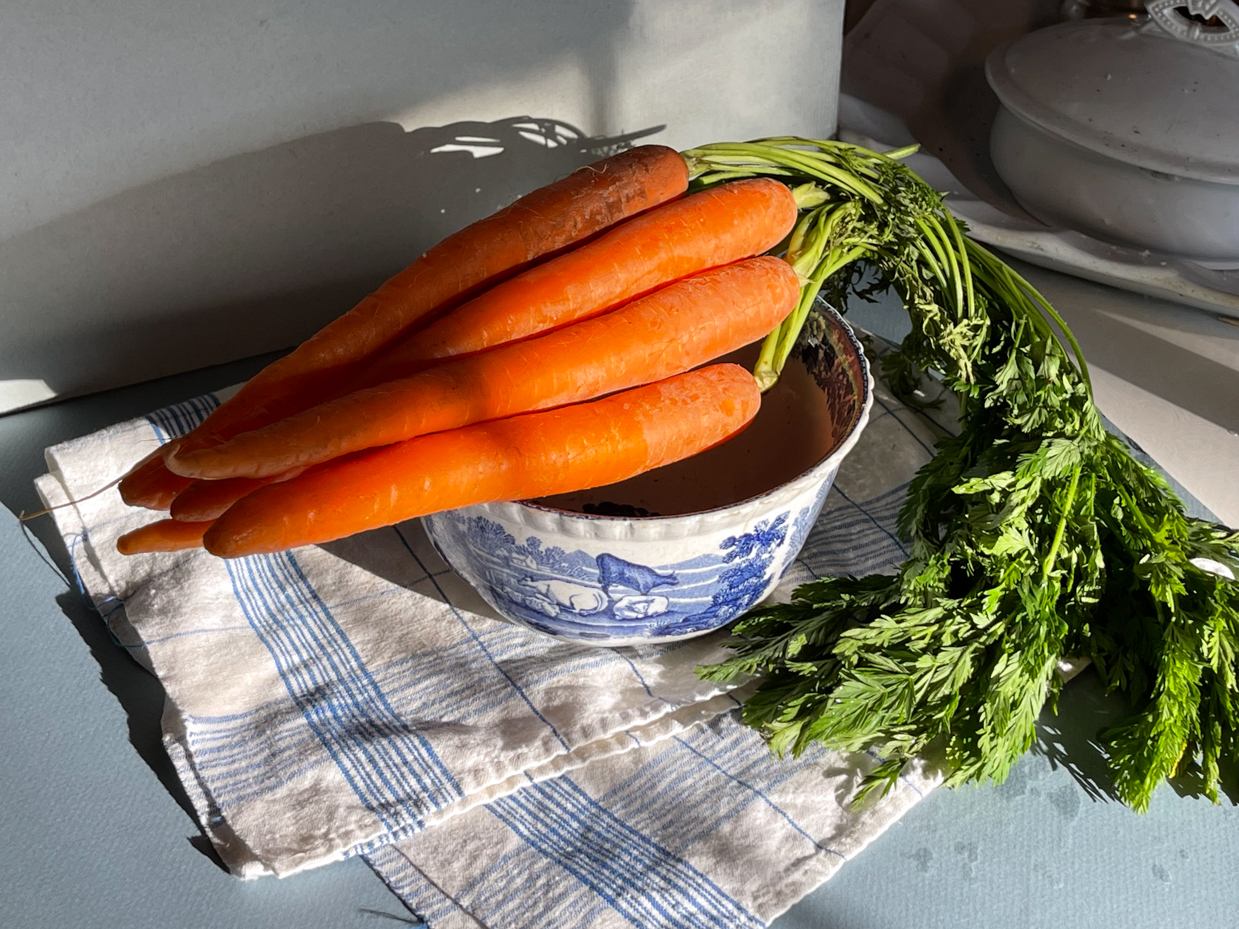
x: 778, y: 345
x: 962, y: 250
x: 1048, y: 565
x: 755, y: 154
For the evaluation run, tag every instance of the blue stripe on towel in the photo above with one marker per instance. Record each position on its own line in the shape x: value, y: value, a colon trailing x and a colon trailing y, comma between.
x: 480, y: 639
x: 244, y: 763
x: 392, y: 767
x: 180, y: 418
x: 860, y: 507
x: 746, y: 760
x: 382, y: 732
x: 710, y: 760
x: 856, y: 538
x: 520, y: 657
x: 641, y: 880
x: 426, y: 902
x: 497, y: 900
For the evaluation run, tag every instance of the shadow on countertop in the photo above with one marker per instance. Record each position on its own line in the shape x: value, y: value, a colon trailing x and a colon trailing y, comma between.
x: 1072, y: 739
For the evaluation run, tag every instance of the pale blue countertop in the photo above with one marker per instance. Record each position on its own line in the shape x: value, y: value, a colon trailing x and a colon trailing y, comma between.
x: 95, y: 832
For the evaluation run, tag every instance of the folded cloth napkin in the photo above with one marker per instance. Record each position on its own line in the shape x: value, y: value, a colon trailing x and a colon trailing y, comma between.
x: 358, y: 698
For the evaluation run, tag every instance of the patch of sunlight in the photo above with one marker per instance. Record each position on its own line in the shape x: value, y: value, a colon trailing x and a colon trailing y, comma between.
x: 18, y: 393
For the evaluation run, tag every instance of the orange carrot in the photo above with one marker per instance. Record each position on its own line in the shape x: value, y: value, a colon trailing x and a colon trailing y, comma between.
x: 206, y: 500
x: 684, y: 325
x: 555, y: 451
x: 543, y: 223
x: 705, y: 230
x: 546, y: 221
x: 149, y: 483
x: 167, y: 535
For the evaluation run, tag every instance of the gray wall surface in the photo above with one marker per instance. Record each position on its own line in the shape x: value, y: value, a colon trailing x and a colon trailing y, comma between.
x: 189, y: 183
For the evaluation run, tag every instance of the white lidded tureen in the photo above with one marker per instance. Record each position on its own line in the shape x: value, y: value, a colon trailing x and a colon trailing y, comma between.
x: 1127, y: 129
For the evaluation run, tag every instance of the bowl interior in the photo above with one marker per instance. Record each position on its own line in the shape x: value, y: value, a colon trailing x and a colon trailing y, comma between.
x: 794, y: 431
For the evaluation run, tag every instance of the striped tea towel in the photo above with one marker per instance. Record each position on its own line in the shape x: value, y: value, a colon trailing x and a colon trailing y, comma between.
x: 358, y: 698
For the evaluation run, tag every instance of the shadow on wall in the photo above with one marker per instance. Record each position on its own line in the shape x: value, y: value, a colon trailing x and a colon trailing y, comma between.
x: 255, y: 252
x: 924, y: 63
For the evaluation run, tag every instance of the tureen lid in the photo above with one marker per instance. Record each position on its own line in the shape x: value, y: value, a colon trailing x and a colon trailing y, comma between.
x: 1134, y: 91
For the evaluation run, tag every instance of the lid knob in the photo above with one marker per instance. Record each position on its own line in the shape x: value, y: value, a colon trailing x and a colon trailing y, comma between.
x: 1211, y: 23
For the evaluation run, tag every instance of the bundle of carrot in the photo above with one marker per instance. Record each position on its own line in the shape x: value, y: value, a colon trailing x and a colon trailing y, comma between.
x: 554, y: 346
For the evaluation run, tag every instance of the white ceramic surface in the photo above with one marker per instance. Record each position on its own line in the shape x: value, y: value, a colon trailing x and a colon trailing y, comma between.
x: 1065, y: 185
x: 631, y: 580
x: 913, y: 71
x: 1124, y: 132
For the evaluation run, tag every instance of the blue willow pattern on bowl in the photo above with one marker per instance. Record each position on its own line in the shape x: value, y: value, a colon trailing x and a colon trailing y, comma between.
x: 617, y: 581
x: 608, y: 599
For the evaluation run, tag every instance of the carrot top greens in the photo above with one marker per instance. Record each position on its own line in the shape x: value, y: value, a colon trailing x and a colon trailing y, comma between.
x: 1034, y: 533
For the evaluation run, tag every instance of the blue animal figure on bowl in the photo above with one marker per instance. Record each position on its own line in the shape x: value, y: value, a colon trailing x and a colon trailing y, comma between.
x: 614, y: 571
x: 725, y: 525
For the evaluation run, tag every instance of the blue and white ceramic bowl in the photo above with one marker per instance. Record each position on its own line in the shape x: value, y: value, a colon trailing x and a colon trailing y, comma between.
x: 685, y: 549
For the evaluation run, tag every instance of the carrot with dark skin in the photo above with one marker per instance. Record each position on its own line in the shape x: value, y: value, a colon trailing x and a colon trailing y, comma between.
x: 672, y: 330
x: 705, y: 230
x: 167, y: 535
x: 549, y: 220
x: 533, y: 455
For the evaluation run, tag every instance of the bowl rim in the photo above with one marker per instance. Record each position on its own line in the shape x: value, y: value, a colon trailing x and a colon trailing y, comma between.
x: 832, y: 458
